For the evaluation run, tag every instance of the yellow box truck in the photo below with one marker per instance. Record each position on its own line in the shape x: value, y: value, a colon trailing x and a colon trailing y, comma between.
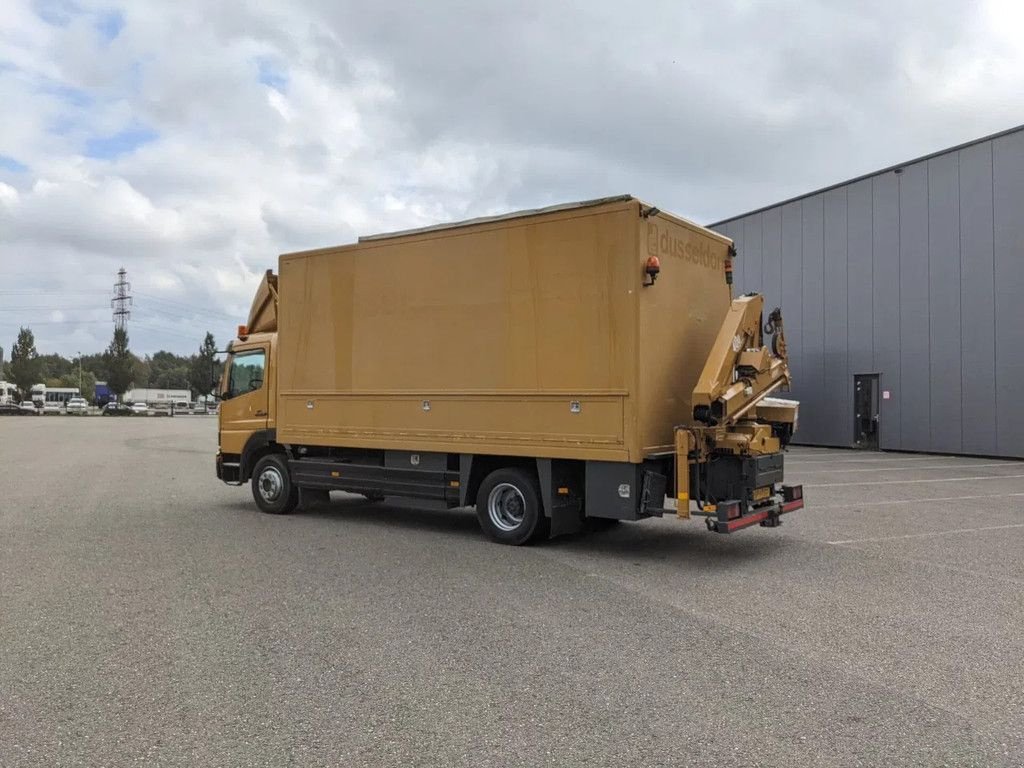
x: 549, y: 366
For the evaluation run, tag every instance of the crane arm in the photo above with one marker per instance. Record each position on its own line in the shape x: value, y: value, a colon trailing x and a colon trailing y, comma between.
x: 741, y: 370
x: 263, y: 313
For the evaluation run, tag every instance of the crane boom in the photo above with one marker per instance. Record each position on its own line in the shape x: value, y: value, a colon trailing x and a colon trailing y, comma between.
x: 741, y: 369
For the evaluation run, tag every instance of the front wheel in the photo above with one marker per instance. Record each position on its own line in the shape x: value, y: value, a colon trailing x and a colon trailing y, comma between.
x: 509, y: 508
x: 272, y: 486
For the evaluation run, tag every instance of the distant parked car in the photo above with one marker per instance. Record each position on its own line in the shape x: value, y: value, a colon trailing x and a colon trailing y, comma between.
x: 51, y: 408
x: 28, y: 406
x: 139, y: 408
x: 213, y: 409
x: 77, y: 405
x: 116, y: 409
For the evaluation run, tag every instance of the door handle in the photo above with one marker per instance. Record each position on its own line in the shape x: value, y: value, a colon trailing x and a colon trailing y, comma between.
x: 260, y: 413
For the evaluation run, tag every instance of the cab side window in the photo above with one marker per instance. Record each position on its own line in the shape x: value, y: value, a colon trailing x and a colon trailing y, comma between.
x: 246, y: 372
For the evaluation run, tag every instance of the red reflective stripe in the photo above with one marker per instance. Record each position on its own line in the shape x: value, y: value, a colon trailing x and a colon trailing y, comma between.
x: 789, y: 506
x: 743, y: 522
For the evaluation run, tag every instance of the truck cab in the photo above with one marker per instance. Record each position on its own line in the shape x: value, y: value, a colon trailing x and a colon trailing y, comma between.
x: 247, y: 399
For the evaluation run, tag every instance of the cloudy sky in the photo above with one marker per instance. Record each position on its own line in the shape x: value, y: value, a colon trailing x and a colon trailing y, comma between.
x: 192, y: 141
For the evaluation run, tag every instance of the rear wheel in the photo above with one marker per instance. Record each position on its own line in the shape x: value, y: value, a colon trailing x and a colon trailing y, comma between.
x: 272, y: 485
x: 508, y: 507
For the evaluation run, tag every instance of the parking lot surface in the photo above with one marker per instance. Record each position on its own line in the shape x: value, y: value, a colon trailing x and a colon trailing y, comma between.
x: 150, y: 615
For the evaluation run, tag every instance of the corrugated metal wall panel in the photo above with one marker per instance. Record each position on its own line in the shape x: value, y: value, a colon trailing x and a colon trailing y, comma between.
x: 859, y: 269
x: 944, y: 303
x: 885, y: 247
x: 837, y: 415
x: 771, y: 258
x: 915, y: 379
x: 977, y: 281
x: 739, y: 263
x: 1008, y: 229
x: 752, y: 250
x: 812, y: 418
x: 792, y: 291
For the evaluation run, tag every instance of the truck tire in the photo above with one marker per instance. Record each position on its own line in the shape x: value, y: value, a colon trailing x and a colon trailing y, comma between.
x: 509, y: 508
x: 272, y: 485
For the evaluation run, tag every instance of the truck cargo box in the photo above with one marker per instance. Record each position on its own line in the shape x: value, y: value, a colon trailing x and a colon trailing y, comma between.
x: 531, y: 334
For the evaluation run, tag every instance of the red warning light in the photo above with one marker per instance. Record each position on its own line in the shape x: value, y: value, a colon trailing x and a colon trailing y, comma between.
x: 652, y: 269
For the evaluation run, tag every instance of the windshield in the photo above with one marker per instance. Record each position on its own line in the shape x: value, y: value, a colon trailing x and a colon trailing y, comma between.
x: 245, y: 373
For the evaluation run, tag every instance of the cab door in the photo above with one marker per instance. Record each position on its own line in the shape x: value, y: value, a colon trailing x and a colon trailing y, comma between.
x: 245, y: 400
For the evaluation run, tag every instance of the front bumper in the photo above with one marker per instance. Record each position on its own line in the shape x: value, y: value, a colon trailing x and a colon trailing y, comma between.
x: 229, y: 469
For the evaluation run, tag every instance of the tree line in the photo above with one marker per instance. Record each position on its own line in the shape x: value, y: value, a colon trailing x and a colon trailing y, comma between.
x: 118, y: 366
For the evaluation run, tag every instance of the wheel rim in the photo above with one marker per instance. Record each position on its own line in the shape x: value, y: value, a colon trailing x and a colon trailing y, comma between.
x: 506, y: 507
x: 270, y: 484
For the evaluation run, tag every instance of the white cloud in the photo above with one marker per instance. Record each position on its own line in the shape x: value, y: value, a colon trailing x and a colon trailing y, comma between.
x: 224, y: 134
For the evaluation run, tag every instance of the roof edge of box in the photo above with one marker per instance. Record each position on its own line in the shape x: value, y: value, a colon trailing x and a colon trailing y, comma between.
x: 528, y: 212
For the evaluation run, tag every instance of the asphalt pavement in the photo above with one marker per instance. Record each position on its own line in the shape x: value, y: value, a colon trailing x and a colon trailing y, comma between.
x: 149, y: 615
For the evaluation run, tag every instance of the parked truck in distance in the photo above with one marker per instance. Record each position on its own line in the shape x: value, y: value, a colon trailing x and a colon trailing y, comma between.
x: 548, y: 366
x: 8, y: 393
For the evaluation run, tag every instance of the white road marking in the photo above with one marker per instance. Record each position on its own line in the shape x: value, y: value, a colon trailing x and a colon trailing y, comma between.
x: 1012, y: 464
x: 901, y: 558
x: 909, y: 482
x: 915, y: 501
x: 930, y: 533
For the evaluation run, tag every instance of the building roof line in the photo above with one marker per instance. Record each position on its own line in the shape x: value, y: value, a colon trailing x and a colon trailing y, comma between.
x: 862, y: 177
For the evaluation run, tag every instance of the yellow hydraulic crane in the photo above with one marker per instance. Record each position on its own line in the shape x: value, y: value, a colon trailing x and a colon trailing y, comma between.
x: 731, y: 400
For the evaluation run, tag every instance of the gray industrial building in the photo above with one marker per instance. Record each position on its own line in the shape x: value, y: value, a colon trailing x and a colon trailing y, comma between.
x: 903, y: 298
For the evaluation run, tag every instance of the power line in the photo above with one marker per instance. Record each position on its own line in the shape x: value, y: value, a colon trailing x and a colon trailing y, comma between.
x: 168, y: 314
x: 181, y: 305
x: 156, y: 314
x: 51, y: 322
x: 153, y: 322
x: 47, y: 308
x: 180, y: 334
x: 180, y: 322
x: 177, y: 305
x: 61, y: 291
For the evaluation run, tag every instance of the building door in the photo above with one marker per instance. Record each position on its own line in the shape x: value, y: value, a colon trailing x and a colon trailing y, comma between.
x: 865, y: 411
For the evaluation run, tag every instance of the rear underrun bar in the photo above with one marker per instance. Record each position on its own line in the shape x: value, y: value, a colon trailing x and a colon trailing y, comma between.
x: 728, y: 515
